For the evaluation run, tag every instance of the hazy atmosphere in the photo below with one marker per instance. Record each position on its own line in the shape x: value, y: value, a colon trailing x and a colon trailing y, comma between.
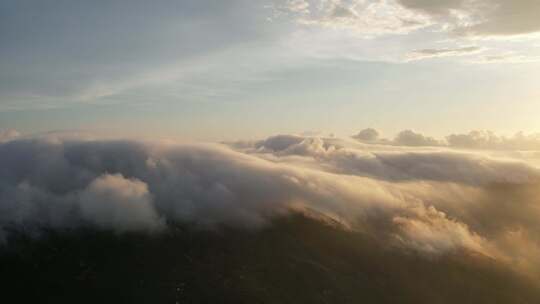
x: 214, y: 70
x: 270, y: 151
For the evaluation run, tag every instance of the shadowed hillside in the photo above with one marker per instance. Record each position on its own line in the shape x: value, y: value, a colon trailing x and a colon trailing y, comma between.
x: 295, y: 260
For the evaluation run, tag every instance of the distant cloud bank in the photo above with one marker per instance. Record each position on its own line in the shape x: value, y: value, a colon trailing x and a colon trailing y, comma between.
x: 7, y: 135
x: 486, y: 140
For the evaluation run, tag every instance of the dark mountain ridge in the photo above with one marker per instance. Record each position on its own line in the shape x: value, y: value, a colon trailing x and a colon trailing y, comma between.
x: 296, y: 259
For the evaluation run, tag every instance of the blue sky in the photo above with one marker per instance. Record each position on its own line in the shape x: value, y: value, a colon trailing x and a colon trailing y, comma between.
x: 213, y: 70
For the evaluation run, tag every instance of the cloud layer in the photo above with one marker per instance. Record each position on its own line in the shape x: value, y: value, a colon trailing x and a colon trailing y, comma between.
x: 477, y: 139
x: 433, y: 200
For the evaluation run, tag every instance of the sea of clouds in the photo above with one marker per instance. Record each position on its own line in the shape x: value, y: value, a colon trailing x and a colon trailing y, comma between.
x: 432, y: 199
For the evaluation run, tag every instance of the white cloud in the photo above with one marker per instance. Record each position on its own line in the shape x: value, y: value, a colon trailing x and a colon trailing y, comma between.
x: 433, y: 201
x: 420, y: 25
x: 403, y: 138
x: 490, y: 140
x: 401, y: 165
x: 435, y: 232
x: 463, y: 17
x: 482, y: 17
x: 477, y: 139
x: 444, y: 52
x: 367, y: 135
x: 114, y: 202
x: 370, y: 18
x: 411, y: 138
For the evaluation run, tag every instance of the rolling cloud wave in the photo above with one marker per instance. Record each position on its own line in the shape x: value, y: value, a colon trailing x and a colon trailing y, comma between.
x: 431, y: 201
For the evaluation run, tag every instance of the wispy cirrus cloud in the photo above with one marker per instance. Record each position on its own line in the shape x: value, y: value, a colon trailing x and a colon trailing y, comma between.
x: 461, y: 17
x: 481, y: 18
x: 368, y: 18
x: 458, y: 20
x: 443, y: 52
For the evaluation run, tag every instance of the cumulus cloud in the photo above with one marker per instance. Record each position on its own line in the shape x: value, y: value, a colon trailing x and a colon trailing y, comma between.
x: 490, y: 140
x: 433, y: 201
x: 279, y: 142
x: 368, y: 135
x: 403, y: 138
x: 114, y: 202
x: 411, y: 138
x: 476, y: 139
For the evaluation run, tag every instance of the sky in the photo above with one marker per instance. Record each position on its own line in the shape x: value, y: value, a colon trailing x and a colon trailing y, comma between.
x: 244, y: 69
